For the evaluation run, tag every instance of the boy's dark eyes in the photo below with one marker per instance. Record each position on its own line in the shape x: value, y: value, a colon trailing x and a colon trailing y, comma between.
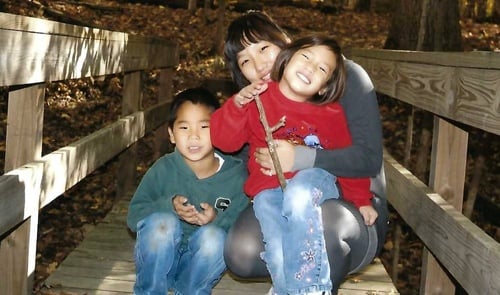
x: 186, y: 127
x: 305, y: 56
x: 264, y: 47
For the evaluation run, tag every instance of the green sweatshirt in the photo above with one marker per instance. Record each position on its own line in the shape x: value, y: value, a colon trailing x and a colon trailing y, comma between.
x: 170, y: 176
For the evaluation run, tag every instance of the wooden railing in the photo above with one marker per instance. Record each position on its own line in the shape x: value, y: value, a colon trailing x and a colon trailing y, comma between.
x: 34, y: 52
x: 459, y: 89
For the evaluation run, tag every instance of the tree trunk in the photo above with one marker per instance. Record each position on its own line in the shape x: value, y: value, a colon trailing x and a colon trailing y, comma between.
x: 467, y: 8
x: 403, y: 32
x: 192, y: 5
x: 218, y: 46
x: 496, y: 11
x: 443, y: 27
x: 443, y: 32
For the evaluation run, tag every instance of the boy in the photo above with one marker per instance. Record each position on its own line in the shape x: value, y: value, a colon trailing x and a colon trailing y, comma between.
x: 185, y: 204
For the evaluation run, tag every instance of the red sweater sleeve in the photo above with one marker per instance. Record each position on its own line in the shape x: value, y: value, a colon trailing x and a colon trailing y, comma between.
x: 228, y: 127
x: 356, y: 190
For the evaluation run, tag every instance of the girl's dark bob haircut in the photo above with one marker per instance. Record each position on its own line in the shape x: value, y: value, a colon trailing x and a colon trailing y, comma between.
x: 335, y: 85
x: 252, y: 27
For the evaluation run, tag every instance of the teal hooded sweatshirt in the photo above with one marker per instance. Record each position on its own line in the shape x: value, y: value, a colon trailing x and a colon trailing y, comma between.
x: 170, y: 176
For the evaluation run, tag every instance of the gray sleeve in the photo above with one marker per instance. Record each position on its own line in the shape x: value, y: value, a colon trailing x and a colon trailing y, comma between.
x: 304, y: 157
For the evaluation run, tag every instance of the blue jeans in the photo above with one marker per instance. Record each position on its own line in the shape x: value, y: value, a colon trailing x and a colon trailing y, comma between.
x: 163, y: 262
x: 292, y: 226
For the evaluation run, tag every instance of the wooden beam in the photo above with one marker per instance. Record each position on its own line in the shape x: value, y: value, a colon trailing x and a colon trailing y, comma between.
x: 24, y: 144
x: 36, y: 50
x: 472, y: 59
x: 445, y: 84
x: 447, y: 177
x: 473, y: 257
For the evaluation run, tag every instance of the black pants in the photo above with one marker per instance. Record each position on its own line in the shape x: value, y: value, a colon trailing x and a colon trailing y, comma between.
x: 351, y: 244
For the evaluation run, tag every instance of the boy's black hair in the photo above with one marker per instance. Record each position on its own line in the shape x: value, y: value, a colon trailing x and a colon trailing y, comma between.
x: 251, y: 27
x: 335, y: 85
x: 196, y: 95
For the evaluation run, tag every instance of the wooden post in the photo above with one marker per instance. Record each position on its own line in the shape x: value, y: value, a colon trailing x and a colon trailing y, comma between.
x: 23, y: 145
x: 447, y: 177
x: 131, y: 102
x: 165, y: 93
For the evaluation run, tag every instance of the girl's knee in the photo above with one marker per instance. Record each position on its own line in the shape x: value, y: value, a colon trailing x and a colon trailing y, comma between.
x: 316, y: 183
x: 314, y: 175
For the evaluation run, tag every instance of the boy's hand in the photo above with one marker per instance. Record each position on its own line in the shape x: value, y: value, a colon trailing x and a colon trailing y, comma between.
x: 184, y: 210
x: 248, y: 93
x: 207, y: 215
x: 369, y: 214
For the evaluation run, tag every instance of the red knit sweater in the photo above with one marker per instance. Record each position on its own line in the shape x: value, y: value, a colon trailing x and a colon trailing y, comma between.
x: 308, y: 124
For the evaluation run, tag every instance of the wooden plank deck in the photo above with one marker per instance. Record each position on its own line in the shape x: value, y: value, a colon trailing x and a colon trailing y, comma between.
x: 103, y: 265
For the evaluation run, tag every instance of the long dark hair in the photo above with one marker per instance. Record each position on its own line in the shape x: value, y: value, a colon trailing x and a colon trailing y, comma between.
x: 252, y: 27
x: 335, y: 85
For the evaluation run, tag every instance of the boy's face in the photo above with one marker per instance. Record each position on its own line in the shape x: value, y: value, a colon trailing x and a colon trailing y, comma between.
x: 191, y: 132
x: 307, y: 73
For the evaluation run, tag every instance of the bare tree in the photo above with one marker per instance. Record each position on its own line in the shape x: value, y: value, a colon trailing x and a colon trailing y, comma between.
x: 192, y: 5
x: 218, y: 45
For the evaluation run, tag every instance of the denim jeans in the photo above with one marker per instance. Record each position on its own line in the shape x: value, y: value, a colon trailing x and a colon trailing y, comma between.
x: 292, y: 226
x: 163, y: 262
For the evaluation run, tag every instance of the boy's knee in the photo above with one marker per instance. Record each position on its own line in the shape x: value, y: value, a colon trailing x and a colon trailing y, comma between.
x: 161, y: 223
x: 212, y: 240
x: 162, y: 218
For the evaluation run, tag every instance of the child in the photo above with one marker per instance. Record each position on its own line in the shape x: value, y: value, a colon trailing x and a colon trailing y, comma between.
x: 185, y: 204
x: 311, y: 78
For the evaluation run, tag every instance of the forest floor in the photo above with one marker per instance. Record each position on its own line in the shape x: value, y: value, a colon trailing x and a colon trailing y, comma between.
x: 74, y: 109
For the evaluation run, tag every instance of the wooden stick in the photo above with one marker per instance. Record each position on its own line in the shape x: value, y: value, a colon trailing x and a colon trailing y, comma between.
x: 270, y: 142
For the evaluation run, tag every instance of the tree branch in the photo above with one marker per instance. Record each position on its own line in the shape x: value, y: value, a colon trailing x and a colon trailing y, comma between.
x: 269, y: 139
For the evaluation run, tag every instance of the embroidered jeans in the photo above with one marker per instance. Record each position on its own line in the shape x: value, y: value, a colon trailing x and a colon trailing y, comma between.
x: 292, y: 227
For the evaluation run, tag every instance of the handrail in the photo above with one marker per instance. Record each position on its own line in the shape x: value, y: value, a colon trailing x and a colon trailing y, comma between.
x: 463, y: 88
x: 36, y: 51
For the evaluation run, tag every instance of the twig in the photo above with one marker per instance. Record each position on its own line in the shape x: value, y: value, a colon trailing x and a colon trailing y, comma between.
x: 269, y: 139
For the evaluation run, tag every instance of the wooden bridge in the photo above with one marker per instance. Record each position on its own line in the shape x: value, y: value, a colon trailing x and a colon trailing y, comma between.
x: 104, y: 264
x: 460, y: 89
